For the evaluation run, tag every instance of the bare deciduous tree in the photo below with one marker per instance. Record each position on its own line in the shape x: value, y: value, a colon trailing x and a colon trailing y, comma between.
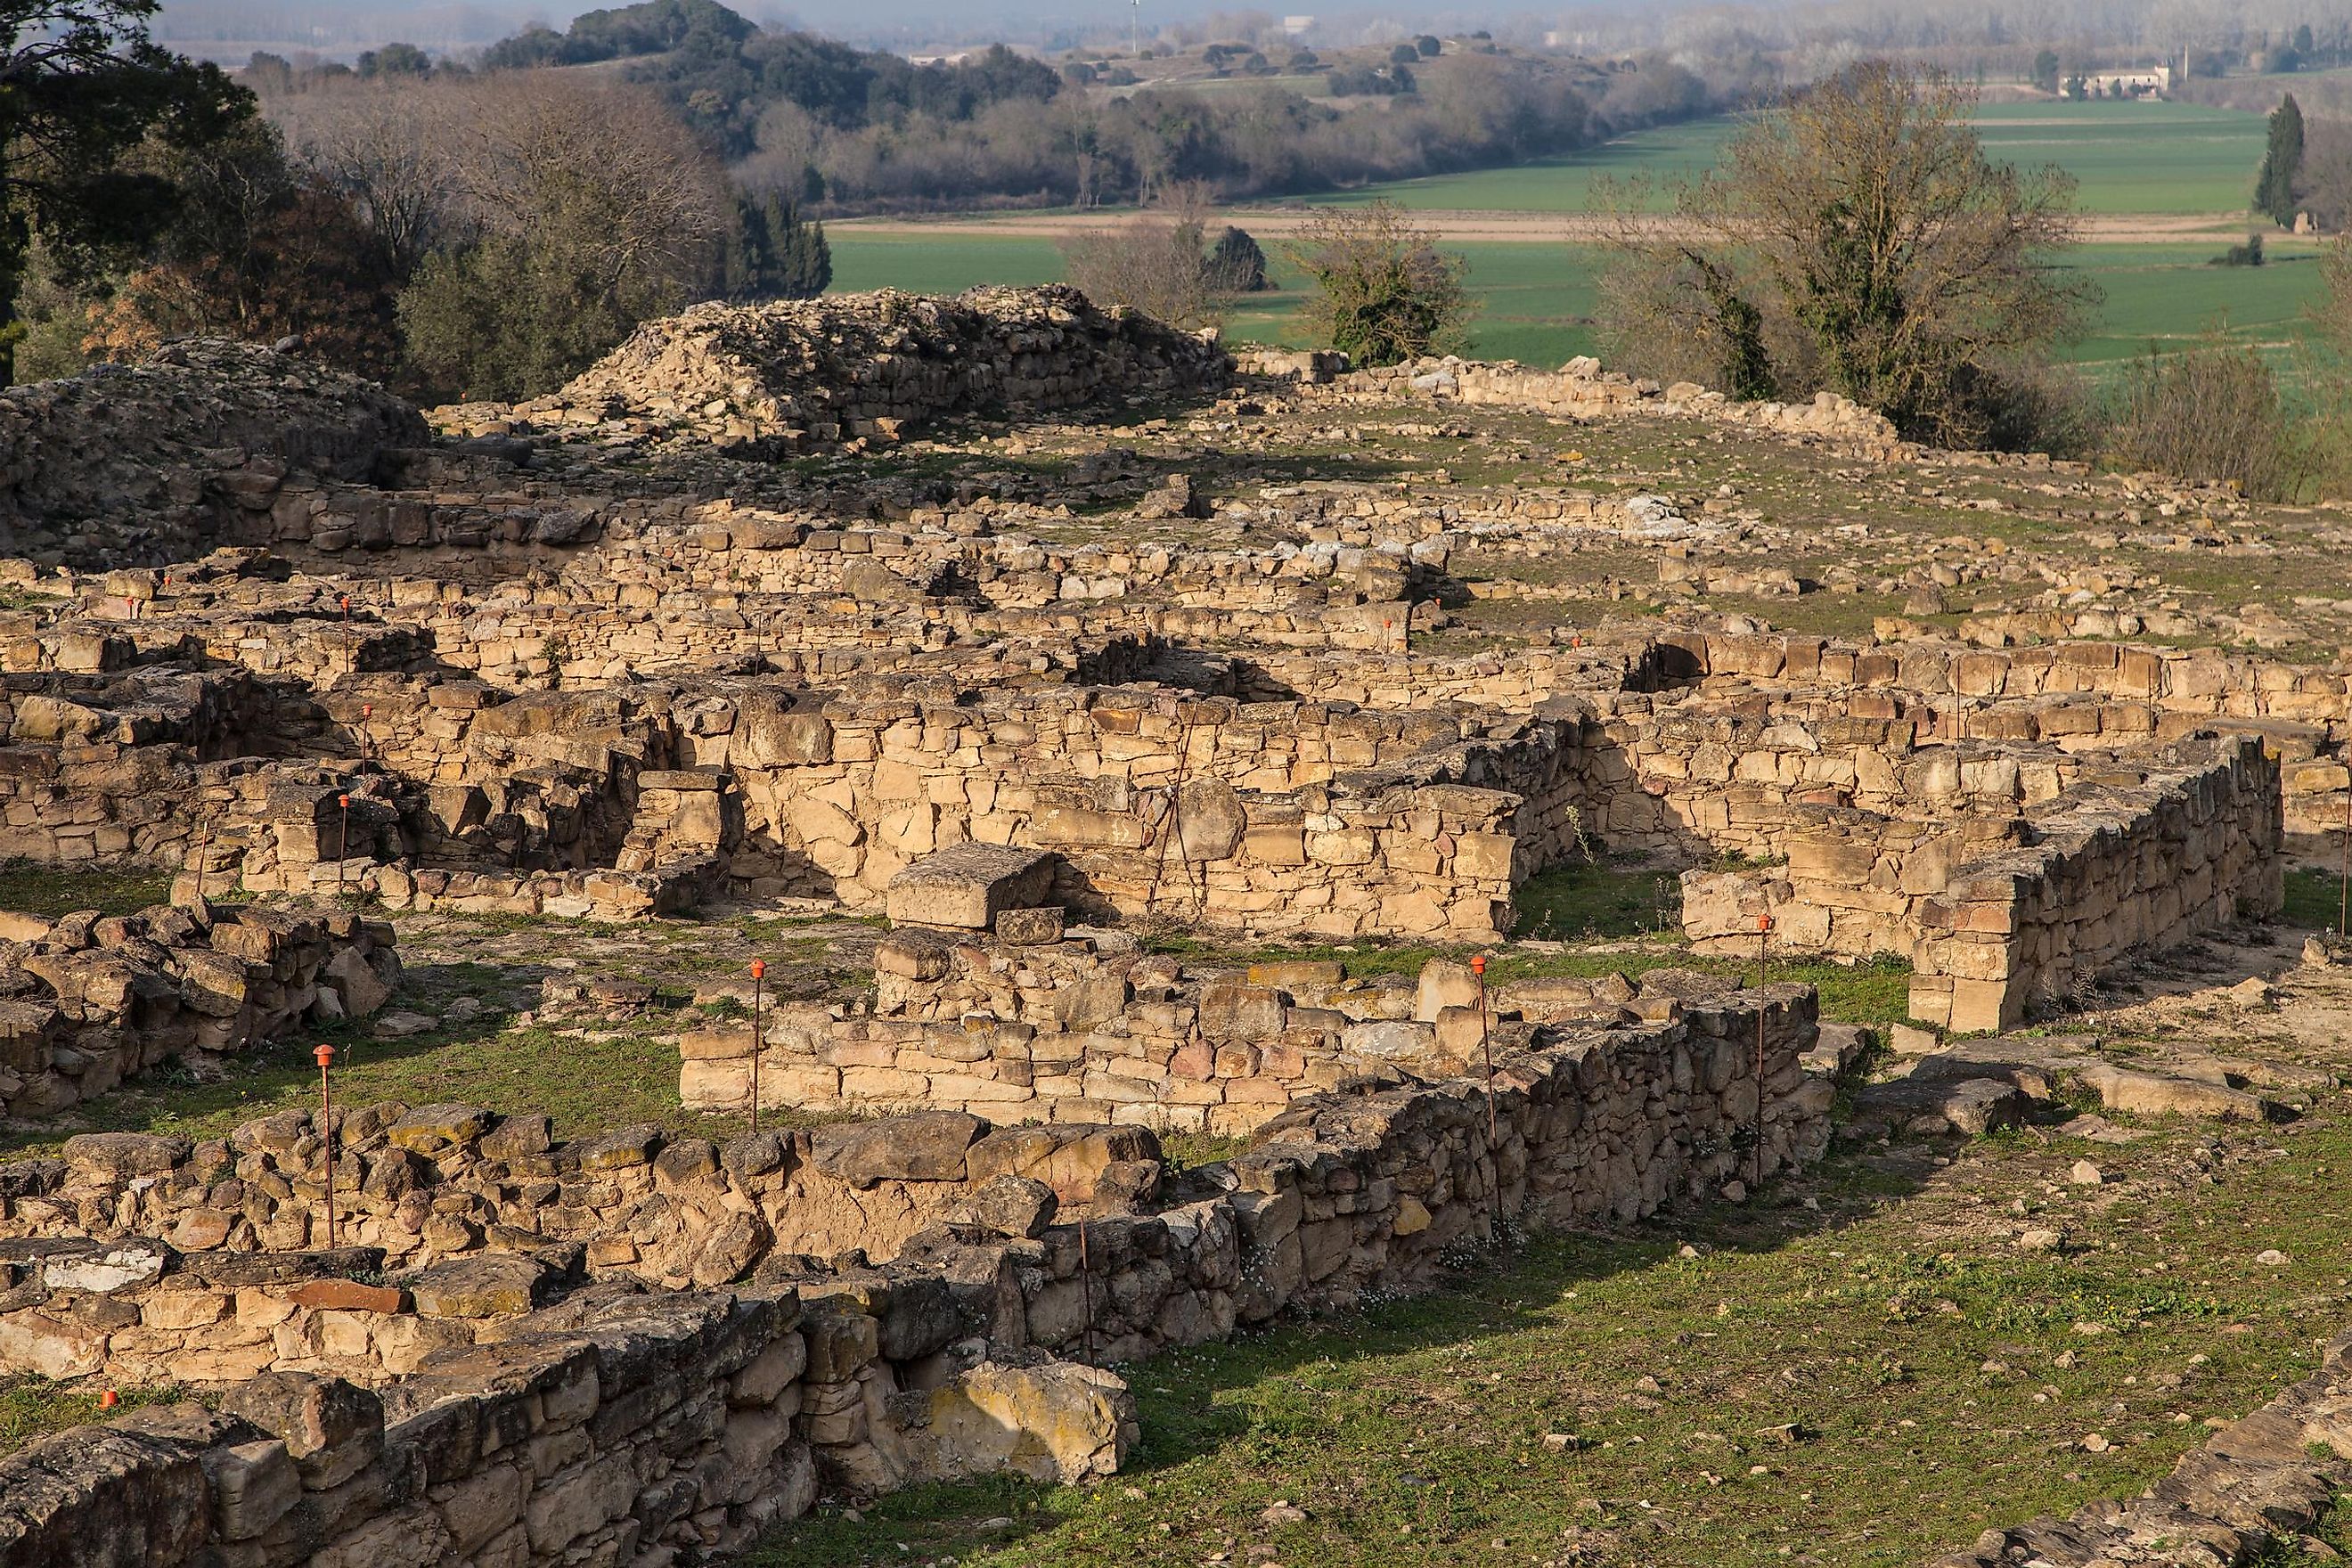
x: 608, y: 166
x: 579, y: 210
x: 1855, y: 239
x: 1157, y: 263
x: 380, y: 144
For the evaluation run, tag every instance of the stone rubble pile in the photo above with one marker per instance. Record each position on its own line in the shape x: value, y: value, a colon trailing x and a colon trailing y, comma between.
x: 159, y: 455
x: 776, y: 379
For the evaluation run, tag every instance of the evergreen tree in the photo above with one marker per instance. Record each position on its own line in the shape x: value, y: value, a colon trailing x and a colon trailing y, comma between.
x: 774, y: 253
x: 1236, y: 264
x: 81, y: 85
x: 2282, y: 164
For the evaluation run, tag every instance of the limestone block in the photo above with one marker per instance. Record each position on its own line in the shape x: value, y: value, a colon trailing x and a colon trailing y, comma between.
x: 967, y: 886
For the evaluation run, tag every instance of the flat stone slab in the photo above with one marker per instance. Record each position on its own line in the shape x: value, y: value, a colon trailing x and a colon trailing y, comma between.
x: 967, y: 886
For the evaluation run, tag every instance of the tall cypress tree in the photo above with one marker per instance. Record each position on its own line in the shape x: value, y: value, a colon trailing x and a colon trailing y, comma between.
x: 2282, y: 164
x: 774, y: 253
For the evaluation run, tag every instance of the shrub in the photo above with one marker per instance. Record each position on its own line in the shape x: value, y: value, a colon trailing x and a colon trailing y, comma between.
x: 1383, y: 292
x: 1236, y: 264
x: 1157, y: 263
x: 2213, y: 412
x: 2247, y: 255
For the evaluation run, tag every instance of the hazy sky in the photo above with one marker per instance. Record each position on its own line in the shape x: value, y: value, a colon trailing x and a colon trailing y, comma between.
x: 230, y: 29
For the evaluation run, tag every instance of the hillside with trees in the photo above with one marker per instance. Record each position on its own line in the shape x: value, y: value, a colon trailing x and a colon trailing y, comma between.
x: 859, y: 131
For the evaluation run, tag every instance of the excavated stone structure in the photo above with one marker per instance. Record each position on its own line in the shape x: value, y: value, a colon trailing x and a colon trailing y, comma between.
x: 488, y: 667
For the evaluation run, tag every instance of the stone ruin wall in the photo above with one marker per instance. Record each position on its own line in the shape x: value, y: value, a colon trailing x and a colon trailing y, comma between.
x: 1090, y: 1029
x: 632, y: 1427
x: 147, y: 461
x: 1287, y: 818
x: 87, y: 1002
x: 522, y: 1415
x: 2138, y: 865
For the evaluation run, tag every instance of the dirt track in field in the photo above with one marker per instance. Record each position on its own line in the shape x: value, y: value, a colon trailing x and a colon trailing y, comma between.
x: 2116, y: 229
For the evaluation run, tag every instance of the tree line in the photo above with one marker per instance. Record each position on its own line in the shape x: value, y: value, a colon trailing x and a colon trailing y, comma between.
x: 861, y: 131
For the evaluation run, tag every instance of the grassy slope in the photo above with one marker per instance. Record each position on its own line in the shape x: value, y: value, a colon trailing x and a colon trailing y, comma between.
x: 1938, y: 1378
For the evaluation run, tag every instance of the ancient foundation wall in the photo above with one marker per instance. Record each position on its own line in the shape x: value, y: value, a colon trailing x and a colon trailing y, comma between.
x: 2259, y: 1487
x: 1090, y: 1030
x: 1583, y: 390
x: 616, y: 1429
x: 604, y: 1422
x: 2106, y: 870
x: 91, y: 1001
x: 1347, y: 1190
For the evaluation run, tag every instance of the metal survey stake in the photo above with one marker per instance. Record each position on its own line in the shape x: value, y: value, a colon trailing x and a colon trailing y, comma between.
x: 1494, y: 1139
x: 1763, y: 1006
x: 759, y: 978
x: 343, y: 841
x: 324, y: 1054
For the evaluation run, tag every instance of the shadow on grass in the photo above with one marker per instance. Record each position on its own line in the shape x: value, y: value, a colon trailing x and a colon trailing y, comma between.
x: 588, y: 1074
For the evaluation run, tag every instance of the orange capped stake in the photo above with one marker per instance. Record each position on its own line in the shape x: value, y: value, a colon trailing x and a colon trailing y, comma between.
x: 759, y: 976
x: 1763, y: 923
x: 324, y: 1054
x: 1478, y: 963
x: 108, y: 1400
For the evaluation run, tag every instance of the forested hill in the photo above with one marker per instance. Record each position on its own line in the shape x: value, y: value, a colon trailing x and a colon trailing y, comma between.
x: 852, y: 130
x: 722, y: 72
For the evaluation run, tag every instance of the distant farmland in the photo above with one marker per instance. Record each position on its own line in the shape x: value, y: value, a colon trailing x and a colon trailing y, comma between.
x: 2186, y: 169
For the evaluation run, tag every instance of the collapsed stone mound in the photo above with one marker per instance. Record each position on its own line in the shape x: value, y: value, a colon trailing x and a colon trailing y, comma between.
x: 852, y: 366
x: 202, y: 429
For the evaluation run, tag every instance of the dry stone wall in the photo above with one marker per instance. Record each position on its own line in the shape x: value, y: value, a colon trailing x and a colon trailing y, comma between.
x: 86, y: 1002
x: 523, y: 1414
x: 1090, y: 1028
x: 2138, y: 864
x: 625, y: 1429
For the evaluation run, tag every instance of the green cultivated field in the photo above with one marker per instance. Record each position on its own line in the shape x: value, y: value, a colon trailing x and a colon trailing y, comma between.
x: 2160, y: 159
x: 2164, y: 294
x: 1539, y: 298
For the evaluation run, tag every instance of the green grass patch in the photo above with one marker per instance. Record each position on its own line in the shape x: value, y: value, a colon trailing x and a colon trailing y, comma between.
x: 2314, y: 899
x: 587, y: 1075
x: 32, y: 1408
x: 1599, y: 898
x: 30, y: 889
x: 2154, y: 157
x: 1864, y: 1384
